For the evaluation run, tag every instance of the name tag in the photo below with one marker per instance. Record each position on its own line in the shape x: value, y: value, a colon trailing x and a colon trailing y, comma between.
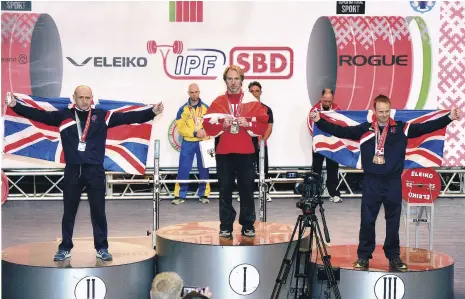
x: 82, y: 146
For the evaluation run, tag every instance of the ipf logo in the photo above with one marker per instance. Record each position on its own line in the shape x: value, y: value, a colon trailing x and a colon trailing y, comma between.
x: 422, y: 6
x: 196, y: 64
x: 174, y: 137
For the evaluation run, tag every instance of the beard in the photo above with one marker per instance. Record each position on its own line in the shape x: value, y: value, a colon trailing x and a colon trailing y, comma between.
x: 233, y: 89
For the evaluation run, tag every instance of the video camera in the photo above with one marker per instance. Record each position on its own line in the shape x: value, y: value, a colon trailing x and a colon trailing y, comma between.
x: 311, y: 190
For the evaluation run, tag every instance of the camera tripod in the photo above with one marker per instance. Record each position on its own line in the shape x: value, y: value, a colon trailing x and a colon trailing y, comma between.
x: 307, y: 219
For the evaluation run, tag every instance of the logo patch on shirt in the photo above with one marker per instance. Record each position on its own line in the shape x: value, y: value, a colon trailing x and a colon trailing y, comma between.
x: 94, y: 117
x: 393, y: 130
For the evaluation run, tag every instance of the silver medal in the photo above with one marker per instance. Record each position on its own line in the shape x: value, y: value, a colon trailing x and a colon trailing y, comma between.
x: 234, y: 127
x: 81, y: 146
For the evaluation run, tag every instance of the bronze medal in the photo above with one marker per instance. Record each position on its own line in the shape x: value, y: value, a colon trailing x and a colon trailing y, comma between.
x: 378, y: 159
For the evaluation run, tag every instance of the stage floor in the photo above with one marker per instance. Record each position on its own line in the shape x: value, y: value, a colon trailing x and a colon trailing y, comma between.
x: 28, y: 221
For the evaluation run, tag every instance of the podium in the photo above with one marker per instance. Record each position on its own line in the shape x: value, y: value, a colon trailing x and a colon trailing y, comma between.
x: 420, y: 188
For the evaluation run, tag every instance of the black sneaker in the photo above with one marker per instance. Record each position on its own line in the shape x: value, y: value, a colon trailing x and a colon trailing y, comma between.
x: 397, y: 264
x: 225, y: 234
x: 361, y: 264
x: 248, y: 232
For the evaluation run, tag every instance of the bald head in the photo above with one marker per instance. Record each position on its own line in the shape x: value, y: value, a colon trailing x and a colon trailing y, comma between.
x: 194, y: 93
x: 83, y: 97
x: 82, y: 88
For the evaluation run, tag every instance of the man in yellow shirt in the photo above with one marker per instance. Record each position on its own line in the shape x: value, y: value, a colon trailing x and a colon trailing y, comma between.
x: 189, y: 124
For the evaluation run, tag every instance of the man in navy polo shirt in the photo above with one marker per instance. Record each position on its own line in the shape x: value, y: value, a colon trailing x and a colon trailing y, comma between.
x: 83, y: 133
x: 382, y: 155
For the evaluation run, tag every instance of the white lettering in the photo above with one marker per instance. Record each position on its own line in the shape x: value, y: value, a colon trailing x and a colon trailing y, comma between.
x: 422, y: 174
x: 350, y: 8
x: 17, y: 5
x: 412, y: 195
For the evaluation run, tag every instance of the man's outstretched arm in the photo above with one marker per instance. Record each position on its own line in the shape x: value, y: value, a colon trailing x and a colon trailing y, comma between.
x: 134, y: 117
x: 51, y: 118
x: 349, y: 132
x: 417, y: 130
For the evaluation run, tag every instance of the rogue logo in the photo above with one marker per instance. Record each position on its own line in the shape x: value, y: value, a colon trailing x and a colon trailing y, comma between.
x: 373, y: 60
x: 196, y: 64
x: 264, y: 62
x: 111, y: 61
x: 361, y: 57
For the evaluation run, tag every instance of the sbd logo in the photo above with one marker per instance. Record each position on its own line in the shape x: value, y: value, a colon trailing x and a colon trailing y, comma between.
x: 197, y: 64
x: 264, y: 62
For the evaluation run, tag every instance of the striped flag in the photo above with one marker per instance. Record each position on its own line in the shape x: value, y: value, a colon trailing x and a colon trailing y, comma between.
x: 423, y: 151
x: 126, y: 145
x: 186, y: 11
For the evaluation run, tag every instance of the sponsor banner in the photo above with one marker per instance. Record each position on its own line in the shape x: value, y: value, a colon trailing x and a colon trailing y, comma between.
x: 420, y: 185
x: 151, y: 51
x: 17, y: 5
x: 174, y: 137
x: 350, y: 7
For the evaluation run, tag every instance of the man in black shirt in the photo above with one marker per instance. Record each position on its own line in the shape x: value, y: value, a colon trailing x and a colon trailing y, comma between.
x: 255, y: 88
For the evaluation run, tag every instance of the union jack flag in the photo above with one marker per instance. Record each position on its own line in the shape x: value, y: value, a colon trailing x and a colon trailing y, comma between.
x: 423, y: 151
x: 126, y: 145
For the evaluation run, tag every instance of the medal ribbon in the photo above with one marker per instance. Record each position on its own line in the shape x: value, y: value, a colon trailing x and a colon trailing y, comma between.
x: 82, y: 135
x: 194, y: 117
x: 379, y: 151
x: 237, y: 114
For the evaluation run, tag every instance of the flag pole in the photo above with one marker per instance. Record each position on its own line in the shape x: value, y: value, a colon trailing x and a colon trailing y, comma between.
x: 156, y: 192
x: 262, y: 186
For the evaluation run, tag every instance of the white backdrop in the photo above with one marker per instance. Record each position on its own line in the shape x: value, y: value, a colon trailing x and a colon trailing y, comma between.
x: 90, y: 29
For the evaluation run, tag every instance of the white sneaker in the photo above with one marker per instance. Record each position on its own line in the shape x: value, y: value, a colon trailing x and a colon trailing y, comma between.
x: 238, y: 198
x: 335, y: 199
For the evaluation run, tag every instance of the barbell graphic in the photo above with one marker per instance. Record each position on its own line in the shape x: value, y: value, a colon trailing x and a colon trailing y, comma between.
x: 152, y: 47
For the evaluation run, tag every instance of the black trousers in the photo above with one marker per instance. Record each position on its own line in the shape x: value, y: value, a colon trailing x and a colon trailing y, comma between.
x: 228, y: 167
x: 379, y: 190
x: 92, y: 177
x: 332, y: 169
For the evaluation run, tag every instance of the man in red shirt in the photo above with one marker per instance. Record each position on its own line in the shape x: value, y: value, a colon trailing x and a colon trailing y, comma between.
x: 325, y: 104
x: 233, y: 118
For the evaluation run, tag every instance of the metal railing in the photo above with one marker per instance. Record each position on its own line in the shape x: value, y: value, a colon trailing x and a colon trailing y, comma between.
x: 157, y: 184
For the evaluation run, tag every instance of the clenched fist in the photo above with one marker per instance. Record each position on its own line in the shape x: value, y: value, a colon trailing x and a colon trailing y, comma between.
x: 10, y: 100
x: 158, y: 108
x: 455, y: 113
x: 315, y: 116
